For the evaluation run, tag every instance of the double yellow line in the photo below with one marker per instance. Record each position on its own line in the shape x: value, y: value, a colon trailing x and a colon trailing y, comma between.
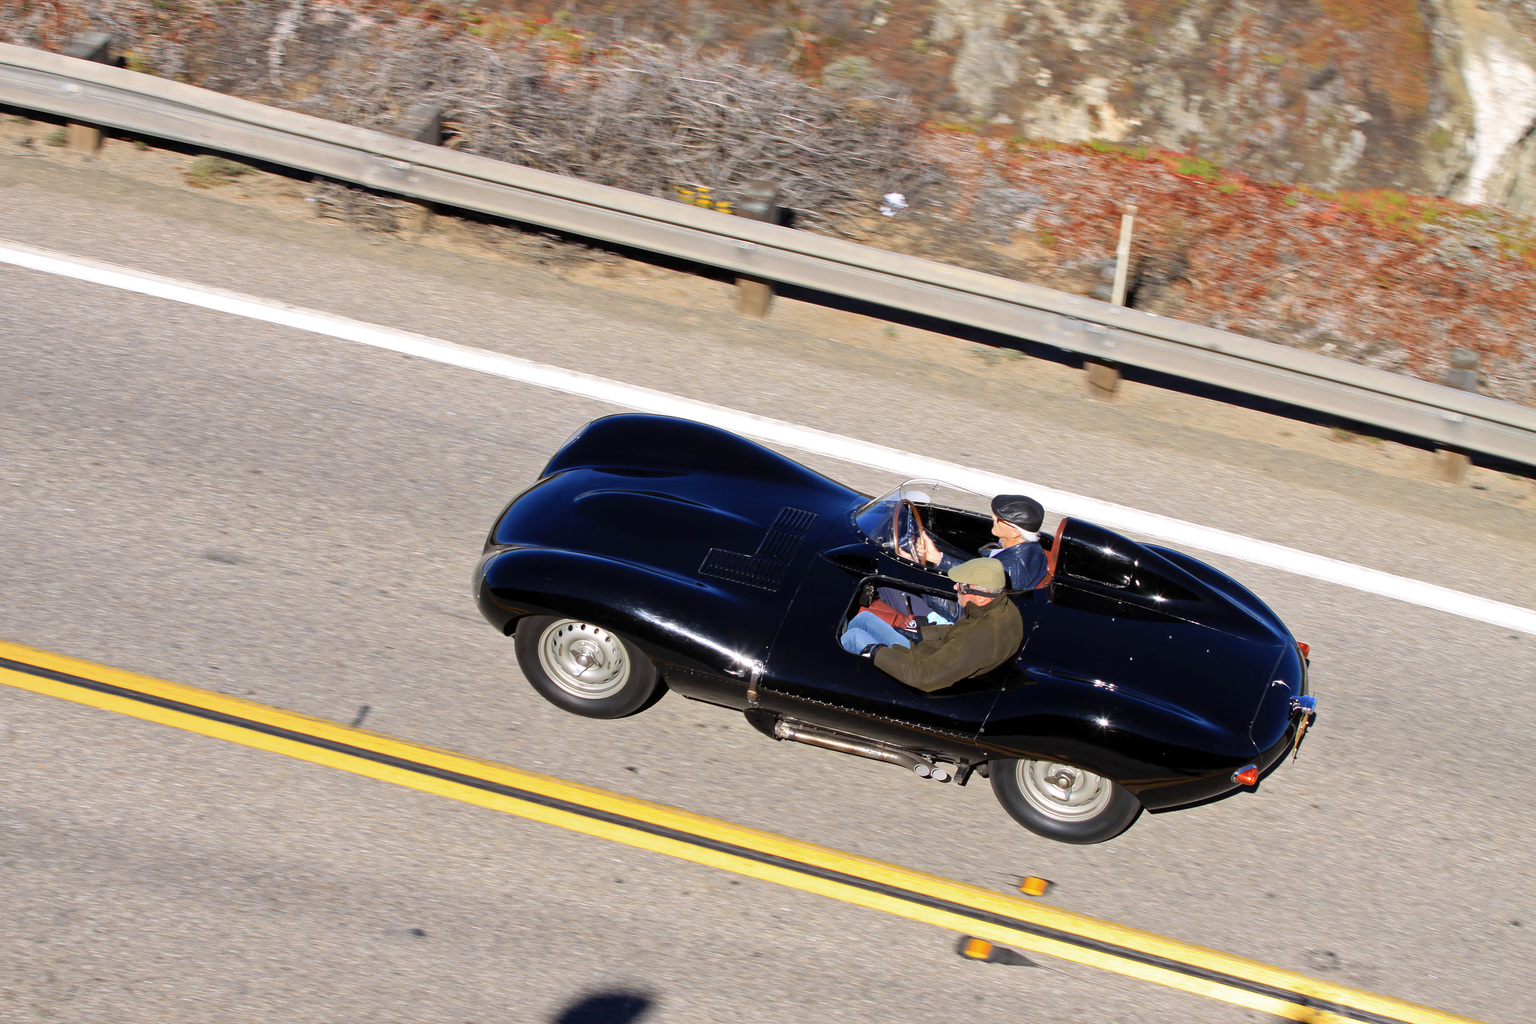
x: 996, y: 917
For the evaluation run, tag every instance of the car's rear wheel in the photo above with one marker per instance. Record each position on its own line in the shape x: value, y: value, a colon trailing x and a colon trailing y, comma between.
x: 584, y: 668
x: 1063, y: 802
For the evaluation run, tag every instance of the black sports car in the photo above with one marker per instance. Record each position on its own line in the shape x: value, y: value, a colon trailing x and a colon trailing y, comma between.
x: 658, y: 553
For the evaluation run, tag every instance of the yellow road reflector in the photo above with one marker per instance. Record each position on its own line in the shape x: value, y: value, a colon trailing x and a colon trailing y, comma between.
x: 985, y: 952
x: 1032, y: 886
x: 979, y: 914
x: 976, y: 949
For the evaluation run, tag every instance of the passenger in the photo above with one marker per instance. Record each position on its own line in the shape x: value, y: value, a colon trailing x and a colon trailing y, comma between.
x: 1016, y: 523
x: 989, y: 632
x: 866, y: 630
x: 893, y: 617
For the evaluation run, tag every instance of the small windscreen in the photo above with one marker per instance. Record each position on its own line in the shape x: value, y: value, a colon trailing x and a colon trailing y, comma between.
x: 897, y: 519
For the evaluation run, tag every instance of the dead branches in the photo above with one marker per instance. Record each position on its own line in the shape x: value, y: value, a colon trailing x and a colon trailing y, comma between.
x: 648, y: 118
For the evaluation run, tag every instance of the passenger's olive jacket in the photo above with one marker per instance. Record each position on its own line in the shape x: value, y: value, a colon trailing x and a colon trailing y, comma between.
x: 984, y: 638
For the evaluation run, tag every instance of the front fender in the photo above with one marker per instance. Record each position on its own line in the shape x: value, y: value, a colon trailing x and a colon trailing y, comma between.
x: 689, y: 622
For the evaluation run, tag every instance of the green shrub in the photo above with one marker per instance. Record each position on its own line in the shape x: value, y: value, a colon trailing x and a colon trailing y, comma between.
x: 209, y: 170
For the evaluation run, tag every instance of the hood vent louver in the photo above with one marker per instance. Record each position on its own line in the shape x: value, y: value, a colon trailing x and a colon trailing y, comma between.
x: 764, y: 568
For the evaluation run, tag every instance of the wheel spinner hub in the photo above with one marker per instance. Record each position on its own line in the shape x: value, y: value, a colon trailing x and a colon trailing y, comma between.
x: 584, y: 660
x: 1062, y: 791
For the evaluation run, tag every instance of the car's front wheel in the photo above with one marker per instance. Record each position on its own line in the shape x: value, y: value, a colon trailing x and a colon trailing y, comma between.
x: 1063, y: 802
x: 584, y: 668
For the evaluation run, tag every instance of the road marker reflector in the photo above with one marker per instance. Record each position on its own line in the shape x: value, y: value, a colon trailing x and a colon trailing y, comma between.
x: 974, y: 948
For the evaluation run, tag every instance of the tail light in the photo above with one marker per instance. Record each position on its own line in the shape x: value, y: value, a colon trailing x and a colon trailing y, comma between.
x: 1305, y: 649
x: 1247, y: 776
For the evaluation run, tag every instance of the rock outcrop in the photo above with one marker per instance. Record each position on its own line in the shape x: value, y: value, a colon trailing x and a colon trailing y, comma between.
x: 1437, y: 97
x: 1434, y: 97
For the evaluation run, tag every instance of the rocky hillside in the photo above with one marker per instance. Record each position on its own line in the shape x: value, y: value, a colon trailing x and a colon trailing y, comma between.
x: 1436, y: 97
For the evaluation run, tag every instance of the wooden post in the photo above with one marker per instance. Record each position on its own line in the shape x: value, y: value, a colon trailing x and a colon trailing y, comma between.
x: 760, y: 201
x: 1103, y: 380
x: 83, y: 139
x: 1451, y: 465
x: 423, y: 122
x: 1123, y: 253
x: 93, y: 46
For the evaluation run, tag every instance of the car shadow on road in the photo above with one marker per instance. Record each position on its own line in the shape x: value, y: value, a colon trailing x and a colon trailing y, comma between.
x: 617, y: 1007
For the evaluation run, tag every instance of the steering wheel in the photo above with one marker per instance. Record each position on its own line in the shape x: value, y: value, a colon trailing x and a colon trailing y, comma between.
x: 907, y: 532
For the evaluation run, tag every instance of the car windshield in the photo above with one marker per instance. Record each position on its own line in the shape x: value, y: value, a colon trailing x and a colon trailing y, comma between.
x: 896, y: 520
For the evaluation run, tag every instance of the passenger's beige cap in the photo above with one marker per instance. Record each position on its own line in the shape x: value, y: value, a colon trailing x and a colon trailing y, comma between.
x: 982, y: 573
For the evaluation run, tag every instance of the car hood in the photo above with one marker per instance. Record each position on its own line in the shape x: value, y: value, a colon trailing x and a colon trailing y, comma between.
x: 680, y: 499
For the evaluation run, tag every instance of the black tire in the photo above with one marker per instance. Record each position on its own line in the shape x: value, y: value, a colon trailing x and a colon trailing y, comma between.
x: 1063, y: 802
x: 556, y: 654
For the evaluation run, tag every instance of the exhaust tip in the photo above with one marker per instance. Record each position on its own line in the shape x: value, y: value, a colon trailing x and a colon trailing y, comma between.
x: 922, y: 770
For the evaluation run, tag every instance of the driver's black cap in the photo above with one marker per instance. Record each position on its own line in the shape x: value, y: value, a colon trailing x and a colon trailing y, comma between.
x: 1024, y: 512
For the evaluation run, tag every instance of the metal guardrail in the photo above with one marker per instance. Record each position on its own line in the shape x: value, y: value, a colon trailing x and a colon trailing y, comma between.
x: 113, y: 97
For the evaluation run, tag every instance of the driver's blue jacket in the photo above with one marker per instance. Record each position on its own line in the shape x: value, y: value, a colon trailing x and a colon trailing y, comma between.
x: 1024, y: 563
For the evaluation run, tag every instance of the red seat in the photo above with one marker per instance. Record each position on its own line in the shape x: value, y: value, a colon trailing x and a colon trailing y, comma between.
x: 1052, y: 555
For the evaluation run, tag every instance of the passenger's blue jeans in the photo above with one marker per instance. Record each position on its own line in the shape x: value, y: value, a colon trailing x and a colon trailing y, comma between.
x: 868, y: 628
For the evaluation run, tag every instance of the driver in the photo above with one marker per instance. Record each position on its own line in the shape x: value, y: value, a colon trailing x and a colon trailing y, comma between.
x: 1016, y: 523
x: 989, y: 632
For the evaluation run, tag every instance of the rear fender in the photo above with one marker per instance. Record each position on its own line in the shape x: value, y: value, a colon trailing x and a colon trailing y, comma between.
x: 1145, y: 746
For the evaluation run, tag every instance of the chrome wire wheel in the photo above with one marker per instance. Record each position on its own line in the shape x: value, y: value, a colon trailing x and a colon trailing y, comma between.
x: 584, y: 660
x: 1062, y: 792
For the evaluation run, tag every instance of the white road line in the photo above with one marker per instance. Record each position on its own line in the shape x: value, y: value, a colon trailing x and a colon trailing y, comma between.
x: 806, y: 439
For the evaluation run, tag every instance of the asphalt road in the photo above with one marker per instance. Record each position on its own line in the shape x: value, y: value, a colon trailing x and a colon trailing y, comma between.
x: 293, y: 519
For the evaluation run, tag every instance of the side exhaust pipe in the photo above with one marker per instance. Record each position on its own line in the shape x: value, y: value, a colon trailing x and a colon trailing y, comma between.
x: 875, y: 750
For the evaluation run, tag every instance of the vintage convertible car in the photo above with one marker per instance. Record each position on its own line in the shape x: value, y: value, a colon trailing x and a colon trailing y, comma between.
x: 658, y: 553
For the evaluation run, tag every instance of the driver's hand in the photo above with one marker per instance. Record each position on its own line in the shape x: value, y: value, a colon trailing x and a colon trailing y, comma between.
x: 929, y: 551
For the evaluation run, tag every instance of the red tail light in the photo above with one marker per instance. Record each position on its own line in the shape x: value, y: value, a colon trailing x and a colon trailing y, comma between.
x: 1247, y: 777
x: 1305, y: 649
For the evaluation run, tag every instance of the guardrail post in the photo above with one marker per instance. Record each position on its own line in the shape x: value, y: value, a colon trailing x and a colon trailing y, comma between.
x: 93, y: 46
x: 422, y: 122
x: 1450, y: 464
x: 1104, y: 378
x: 759, y: 201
